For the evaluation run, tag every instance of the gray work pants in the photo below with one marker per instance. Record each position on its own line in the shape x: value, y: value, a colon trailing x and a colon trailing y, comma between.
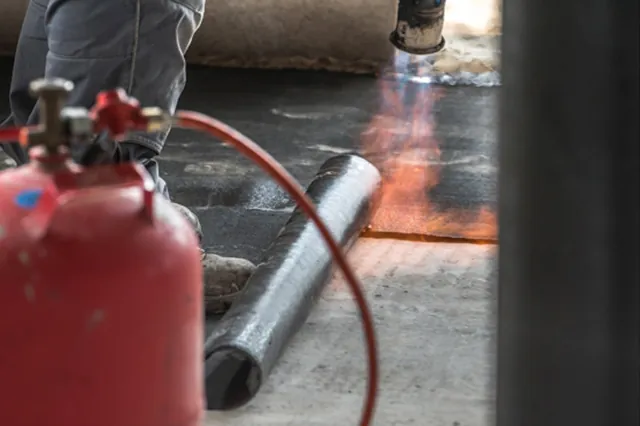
x: 137, y: 45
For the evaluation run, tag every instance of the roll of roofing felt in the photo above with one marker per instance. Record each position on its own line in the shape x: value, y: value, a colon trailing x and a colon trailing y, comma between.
x: 337, y: 35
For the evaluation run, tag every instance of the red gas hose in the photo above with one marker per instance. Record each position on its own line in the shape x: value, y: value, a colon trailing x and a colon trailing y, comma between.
x: 251, y: 150
x: 10, y: 134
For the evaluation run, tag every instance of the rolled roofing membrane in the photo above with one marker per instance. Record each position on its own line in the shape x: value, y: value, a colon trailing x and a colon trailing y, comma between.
x: 335, y: 35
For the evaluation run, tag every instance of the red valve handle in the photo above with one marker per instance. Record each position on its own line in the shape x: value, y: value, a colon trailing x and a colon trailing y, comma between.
x: 117, y: 114
x: 114, y: 112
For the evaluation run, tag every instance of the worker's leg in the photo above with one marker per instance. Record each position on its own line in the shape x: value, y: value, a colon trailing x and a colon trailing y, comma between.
x: 138, y: 45
x: 29, y: 64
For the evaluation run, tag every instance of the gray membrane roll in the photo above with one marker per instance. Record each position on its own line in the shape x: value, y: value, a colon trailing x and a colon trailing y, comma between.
x: 335, y: 35
x: 12, y: 12
x: 339, y: 35
x: 249, y: 339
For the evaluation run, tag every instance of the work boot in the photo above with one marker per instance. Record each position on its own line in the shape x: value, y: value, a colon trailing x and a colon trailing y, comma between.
x: 224, y: 277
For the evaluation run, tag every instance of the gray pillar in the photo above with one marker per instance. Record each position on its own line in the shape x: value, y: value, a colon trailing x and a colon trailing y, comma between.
x: 568, y: 281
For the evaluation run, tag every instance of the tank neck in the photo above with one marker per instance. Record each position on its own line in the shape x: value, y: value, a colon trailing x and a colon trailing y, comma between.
x: 52, y: 162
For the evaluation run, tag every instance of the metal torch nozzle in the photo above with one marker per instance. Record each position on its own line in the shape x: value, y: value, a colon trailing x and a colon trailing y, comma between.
x: 419, y: 27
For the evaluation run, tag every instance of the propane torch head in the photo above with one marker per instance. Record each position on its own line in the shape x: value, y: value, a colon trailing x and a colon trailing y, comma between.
x: 419, y: 26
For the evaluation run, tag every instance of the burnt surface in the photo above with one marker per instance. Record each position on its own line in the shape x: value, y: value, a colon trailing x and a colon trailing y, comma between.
x: 302, y: 119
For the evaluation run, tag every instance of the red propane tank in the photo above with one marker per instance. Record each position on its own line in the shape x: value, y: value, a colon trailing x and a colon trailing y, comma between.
x: 100, y: 301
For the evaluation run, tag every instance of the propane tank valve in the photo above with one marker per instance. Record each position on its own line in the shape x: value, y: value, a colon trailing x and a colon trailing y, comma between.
x: 63, y: 226
x: 114, y: 113
x: 117, y: 114
x: 50, y: 132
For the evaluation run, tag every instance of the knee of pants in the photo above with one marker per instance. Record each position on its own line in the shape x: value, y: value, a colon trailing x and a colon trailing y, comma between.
x: 116, y: 28
x: 137, y: 45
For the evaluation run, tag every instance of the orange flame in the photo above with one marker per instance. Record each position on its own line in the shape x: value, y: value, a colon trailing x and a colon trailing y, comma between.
x: 400, y: 140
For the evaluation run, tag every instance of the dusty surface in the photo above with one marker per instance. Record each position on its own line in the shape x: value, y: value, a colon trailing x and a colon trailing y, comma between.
x: 432, y: 305
x: 472, y: 30
x: 472, y: 18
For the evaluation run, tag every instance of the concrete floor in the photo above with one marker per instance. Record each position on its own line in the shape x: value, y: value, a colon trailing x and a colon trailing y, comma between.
x: 431, y: 300
x: 432, y: 303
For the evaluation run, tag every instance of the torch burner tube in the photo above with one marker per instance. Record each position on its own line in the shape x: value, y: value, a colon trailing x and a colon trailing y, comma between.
x: 419, y: 26
x: 278, y: 298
